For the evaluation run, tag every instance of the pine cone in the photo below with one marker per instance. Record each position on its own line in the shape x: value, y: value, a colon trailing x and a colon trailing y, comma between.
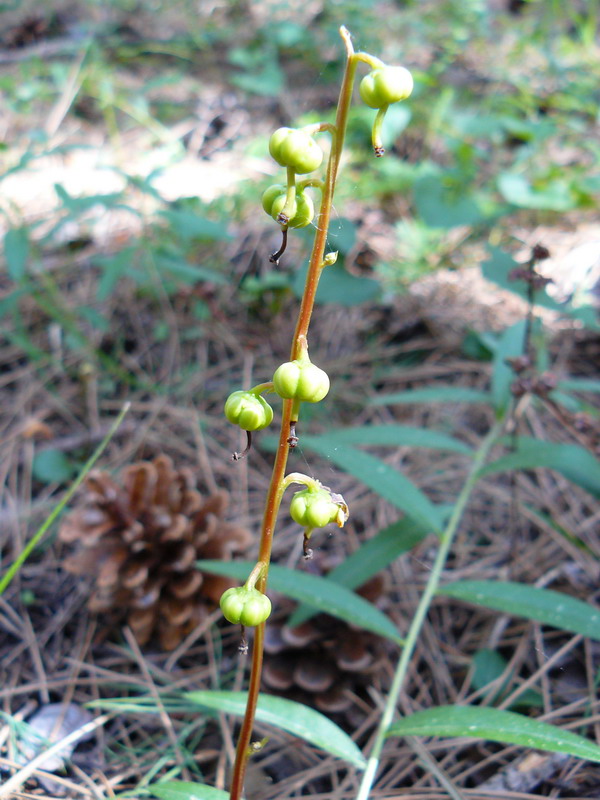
x: 140, y: 541
x: 323, y: 662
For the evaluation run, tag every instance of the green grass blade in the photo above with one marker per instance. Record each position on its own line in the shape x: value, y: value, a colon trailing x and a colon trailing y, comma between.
x: 320, y: 593
x: 579, y: 385
x: 386, y: 481
x: 391, y: 436
x: 32, y: 543
x: 574, y: 462
x: 373, y: 556
x: 295, y: 718
x: 497, y: 726
x: 441, y: 394
x: 186, y: 790
x: 519, y: 599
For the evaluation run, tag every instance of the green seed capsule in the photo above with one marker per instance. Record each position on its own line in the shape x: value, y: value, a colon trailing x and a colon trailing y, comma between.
x: 296, y: 149
x: 245, y: 606
x: 301, y: 380
x: 385, y: 85
x: 249, y: 411
x: 304, y: 210
x: 314, y: 508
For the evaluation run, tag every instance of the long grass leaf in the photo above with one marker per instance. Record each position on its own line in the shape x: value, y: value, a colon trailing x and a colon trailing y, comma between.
x: 391, y: 436
x: 186, y: 790
x: 295, y: 718
x: 574, y: 462
x: 386, y: 481
x: 32, y: 543
x: 497, y: 726
x: 372, y: 557
x: 433, y: 394
x: 320, y: 593
x: 519, y: 599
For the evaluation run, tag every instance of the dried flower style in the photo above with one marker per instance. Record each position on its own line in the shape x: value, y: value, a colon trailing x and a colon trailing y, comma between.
x: 140, y: 540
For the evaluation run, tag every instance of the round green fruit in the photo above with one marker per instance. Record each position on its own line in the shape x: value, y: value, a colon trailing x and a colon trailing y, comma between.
x: 313, y: 508
x: 385, y: 85
x: 245, y: 606
x: 249, y: 411
x: 303, y: 214
x: 296, y: 149
x: 301, y: 380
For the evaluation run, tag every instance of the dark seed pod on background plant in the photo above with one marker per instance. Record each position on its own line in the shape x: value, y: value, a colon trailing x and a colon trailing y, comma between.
x: 247, y: 410
x: 296, y: 149
x: 385, y: 85
x: 244, y: 606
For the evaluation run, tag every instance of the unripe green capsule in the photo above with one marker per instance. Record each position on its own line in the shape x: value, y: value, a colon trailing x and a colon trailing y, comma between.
x: 385, y: 85
x: 314, y: 508
x: 247, y: 410
x: 302, y: 216
x: 245, y: 606
x: 296, y: 149
x: 303, y: 210
x: 301, y: 380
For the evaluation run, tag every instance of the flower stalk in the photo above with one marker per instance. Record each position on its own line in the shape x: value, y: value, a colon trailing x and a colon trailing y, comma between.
x: 299, y: 380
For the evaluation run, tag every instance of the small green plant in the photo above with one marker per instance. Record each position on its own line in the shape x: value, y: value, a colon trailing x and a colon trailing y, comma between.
x: 299, y: 381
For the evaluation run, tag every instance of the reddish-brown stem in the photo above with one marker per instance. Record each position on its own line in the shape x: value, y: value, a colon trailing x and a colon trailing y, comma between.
x: 299, y: 344
x: 266, y: 540
x: 318, y: 251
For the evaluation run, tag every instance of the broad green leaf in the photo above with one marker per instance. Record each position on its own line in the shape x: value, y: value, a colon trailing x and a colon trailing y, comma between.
x: 442, y: 203
x: 188, y: 273
x: 79, y: 205
x: 373, y: 556
x: 574, y: 462
x: 443, y: 394
x: 488, y: 666
x: 339, y: 286
x: 556, y: 195
x: 190, y: 226
x: 268, y: 81
x: 396, y: 120
x: 320, y: 593
x: 383, y: 479
x: 300, y: 720
x: 510, y: 345
x: 186, y: 790
x: 580, y: 385
x: 521, y: 600
x: 53, y: 466
x: 497, y: 726
x: 341, y: 236
x: 393, y: 436
x: 16, y: 252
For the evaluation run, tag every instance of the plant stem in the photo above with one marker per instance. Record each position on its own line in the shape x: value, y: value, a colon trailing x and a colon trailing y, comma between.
x: 299, y: 344
x: 446, y: 541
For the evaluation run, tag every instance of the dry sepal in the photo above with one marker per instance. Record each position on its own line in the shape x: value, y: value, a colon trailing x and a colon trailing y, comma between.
x: 140, y: 538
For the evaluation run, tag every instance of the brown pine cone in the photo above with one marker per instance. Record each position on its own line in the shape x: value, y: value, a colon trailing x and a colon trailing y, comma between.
x: 140, y: 539
x: 324, y: 662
